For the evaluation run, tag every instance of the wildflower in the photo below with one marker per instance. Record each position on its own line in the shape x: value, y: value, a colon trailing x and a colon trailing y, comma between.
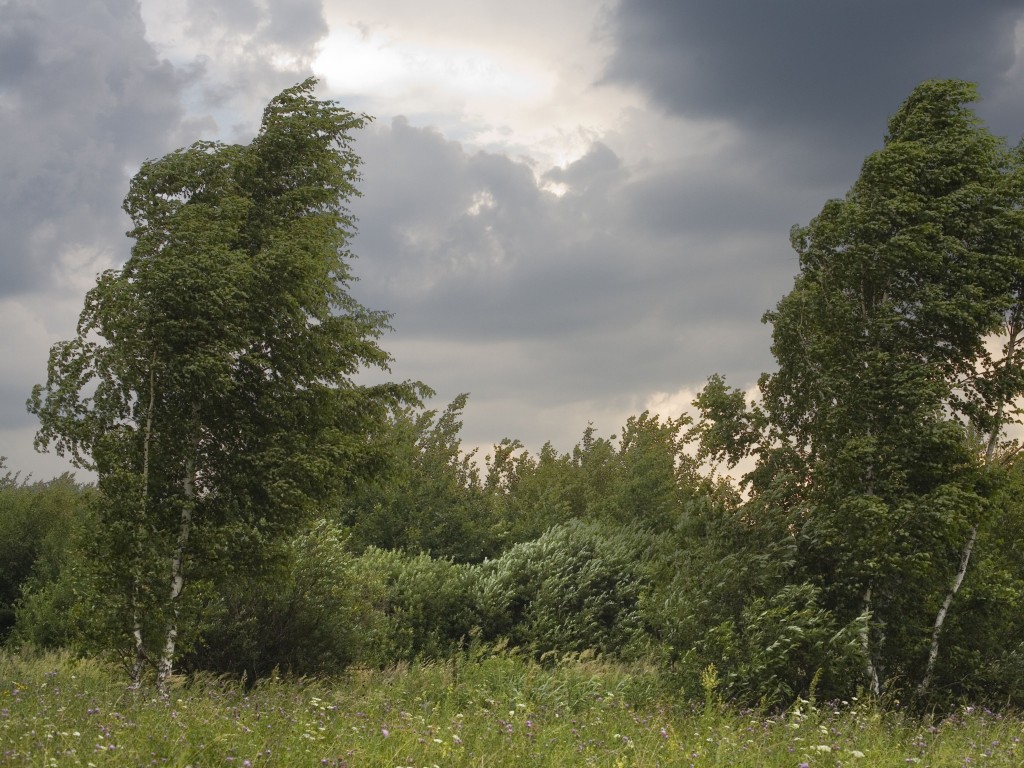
x: 385, y: 732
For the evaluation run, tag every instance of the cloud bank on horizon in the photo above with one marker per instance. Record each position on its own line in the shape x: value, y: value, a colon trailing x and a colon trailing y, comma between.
x: 575, y: 210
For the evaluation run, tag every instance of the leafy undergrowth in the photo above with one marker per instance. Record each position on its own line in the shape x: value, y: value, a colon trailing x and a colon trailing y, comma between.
x: 500, y: 710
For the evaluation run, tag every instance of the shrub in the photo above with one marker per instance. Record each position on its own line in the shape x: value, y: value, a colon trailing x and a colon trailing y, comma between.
x: 425, y: 606
x: 306, y: 612
x: 576, y: 588
x: 38, y: 524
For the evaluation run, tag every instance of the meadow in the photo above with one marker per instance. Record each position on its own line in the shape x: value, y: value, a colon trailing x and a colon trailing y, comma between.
x: 499, y: 709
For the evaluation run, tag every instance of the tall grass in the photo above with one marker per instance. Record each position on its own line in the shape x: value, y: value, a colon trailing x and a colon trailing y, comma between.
x: 495, y: 710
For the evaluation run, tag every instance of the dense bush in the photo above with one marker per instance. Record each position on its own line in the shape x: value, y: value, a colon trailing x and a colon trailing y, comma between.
x: 425, y: 607
x: 40, y: 526
x: 307, y: 611
x: 317, y: 608
x: 726, y: 594
x: 578, y: 587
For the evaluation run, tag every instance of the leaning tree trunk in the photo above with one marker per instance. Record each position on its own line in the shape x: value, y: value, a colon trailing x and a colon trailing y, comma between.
x: 140, y: 648
x: 972, y: 538
x: 166, y: 665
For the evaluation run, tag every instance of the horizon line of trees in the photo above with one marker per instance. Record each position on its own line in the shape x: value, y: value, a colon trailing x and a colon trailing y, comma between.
x: 256, y: 509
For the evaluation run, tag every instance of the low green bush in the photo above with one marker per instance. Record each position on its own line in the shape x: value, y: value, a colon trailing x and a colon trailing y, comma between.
x: 425, y: 607
x: 576, y: 588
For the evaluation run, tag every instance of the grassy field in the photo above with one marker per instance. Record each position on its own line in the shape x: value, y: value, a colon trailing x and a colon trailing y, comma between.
x: 496, y: 711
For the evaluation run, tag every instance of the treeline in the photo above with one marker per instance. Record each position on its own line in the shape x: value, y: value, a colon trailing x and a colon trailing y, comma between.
x: 620, y: 548
x: 258, y: 510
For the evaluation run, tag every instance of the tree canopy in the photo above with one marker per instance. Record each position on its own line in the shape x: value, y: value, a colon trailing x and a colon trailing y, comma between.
x: 898, y: 369
x: 318, y: 522
x: 211, y: 383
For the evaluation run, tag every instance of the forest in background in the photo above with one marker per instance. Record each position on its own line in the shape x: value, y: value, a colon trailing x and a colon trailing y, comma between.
x: 257, y: 510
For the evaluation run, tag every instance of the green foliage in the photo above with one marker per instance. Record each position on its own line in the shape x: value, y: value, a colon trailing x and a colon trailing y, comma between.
x: 983, y: 658
x: 316, y: 608
x: 429, y: 498
x: 530, y: 493
x: 788, y: 645
x: 499, y: 710
x: 38, y: 523
x: 72, y: 609
x: 645, y: 478
x: 307, y: 610
x: 723, y: 596
x: 425, y: 607
x: 889, y: 397
x: 578, y: 587
x: 211, y: 383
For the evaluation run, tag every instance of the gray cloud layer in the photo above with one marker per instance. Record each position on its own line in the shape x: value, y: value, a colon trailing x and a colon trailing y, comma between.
x: 820, y: 77
x: 83, y: 98
x: 616, y: 287
x: 551, y: 309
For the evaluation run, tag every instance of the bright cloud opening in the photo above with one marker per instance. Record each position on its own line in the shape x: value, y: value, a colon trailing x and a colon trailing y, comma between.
x: 353, y: 61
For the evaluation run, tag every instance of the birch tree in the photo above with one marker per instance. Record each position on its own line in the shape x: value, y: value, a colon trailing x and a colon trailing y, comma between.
x: 885, y: 371
x: 210, y: 384
x: 875, y: 434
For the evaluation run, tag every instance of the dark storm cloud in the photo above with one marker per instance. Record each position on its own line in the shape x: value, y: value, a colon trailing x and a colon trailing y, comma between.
x: 820, y: 76
x: 506, y: 290
x: 83, y: 99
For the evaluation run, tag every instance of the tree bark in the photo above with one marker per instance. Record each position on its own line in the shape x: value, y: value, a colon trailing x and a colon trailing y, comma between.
x: 140, y: 649
x: 965, y: 555
x: 940, y: 618
x: 166, y: 666
x: 865, y: 640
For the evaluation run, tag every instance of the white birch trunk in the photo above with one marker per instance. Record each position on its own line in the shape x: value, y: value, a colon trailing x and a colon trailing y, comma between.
x: 968, y: 550
x: 865, y: 640
x: 166, y: 665
x: 940, y: 618
x: 140, y: 648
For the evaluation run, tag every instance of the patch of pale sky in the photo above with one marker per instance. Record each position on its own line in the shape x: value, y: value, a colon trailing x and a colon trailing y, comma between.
x: 528, y: 87
x: 482, y: 201
x: 524, y: 101
x: 32, y: 341
x: 77, y: 268
x: 166, y: 23
x: 525, y: 86
x: 29, y: 347
x: 1018, y: 64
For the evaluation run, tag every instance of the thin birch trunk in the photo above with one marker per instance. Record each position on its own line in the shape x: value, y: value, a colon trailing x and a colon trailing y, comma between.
x: 166, y: 666
x: 972, y: 538
x: 140, y: 648
x: 940, y: 618
x: 865, y: 641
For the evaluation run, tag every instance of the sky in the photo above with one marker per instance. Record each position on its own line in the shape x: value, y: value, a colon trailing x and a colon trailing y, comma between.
x: 575, y: 210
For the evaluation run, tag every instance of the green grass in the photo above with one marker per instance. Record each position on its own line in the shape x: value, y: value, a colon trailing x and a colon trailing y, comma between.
x: 496, y: 711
